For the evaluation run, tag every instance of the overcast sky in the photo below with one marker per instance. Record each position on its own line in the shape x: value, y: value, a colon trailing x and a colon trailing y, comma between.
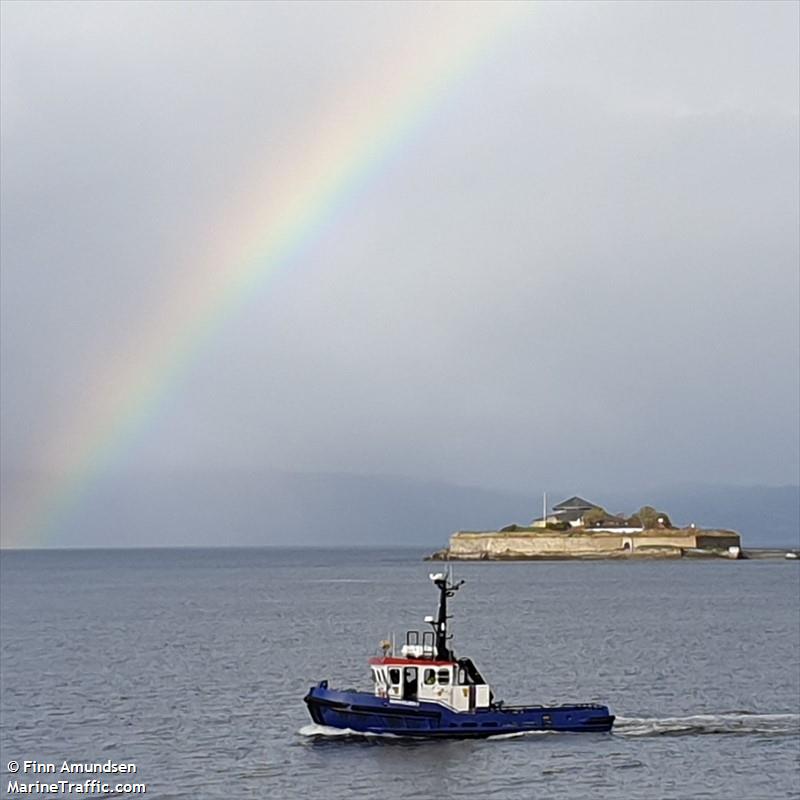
x: 579, y: 266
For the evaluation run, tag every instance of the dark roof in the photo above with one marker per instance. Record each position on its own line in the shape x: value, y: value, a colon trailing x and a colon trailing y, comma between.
x: 569, y: 515
x: 574, y: 503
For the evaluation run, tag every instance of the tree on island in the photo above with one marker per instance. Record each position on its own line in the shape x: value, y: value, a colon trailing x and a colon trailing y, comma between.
x: 647, y: 517
x: 593, y: 516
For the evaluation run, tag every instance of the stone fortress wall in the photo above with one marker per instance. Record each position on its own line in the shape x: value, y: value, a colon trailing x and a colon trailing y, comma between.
x: 543, y: 544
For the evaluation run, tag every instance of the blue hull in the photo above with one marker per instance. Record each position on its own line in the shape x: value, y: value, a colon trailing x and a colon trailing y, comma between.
x: 362, y: 712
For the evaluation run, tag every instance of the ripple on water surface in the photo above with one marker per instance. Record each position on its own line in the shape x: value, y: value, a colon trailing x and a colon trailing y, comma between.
x: 193, y: 664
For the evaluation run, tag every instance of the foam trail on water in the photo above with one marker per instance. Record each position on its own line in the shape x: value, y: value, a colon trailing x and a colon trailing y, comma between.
x: 734, y: 723
x: 324, y: 731
x: 518, y: 734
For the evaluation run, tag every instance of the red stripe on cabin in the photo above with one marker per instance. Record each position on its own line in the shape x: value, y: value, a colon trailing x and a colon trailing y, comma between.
x: 413, y: 662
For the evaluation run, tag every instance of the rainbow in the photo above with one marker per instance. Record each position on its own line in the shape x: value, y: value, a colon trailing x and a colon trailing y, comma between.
x: 363, y: 129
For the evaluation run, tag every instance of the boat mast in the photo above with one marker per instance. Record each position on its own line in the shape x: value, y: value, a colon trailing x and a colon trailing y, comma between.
x: 446, y: 589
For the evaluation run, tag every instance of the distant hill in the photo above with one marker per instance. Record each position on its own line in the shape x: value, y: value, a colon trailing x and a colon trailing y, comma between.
x: 252, y: 508
x: 285, y: 509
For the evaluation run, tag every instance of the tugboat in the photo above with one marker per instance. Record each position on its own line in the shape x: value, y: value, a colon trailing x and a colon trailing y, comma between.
x: 427, y: 692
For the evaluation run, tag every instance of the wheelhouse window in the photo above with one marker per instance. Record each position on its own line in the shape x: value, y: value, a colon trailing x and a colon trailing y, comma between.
x: 444, y: 677
x: 429, y: 677
x: 394, y: 676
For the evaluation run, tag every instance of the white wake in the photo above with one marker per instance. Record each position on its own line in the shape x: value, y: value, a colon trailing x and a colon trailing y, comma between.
x: 740, y: 723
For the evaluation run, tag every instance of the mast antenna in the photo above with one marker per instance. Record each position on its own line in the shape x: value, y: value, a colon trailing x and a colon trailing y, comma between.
x: 447, y: 588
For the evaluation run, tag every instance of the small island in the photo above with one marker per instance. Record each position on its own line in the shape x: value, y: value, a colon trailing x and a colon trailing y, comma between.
x: 579, y: 529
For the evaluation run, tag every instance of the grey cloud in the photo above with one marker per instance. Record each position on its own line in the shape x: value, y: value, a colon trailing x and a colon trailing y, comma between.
x: 581, y: 267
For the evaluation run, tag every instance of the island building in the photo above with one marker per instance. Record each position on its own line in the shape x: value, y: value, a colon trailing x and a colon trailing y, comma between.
x: 574, y: 509
x: 578, y: 528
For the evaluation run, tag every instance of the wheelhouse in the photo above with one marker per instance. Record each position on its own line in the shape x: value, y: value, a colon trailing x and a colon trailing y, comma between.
x: 427, y: 670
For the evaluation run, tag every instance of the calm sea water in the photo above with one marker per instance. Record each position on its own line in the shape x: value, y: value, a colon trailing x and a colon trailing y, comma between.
x: 193, y: 663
